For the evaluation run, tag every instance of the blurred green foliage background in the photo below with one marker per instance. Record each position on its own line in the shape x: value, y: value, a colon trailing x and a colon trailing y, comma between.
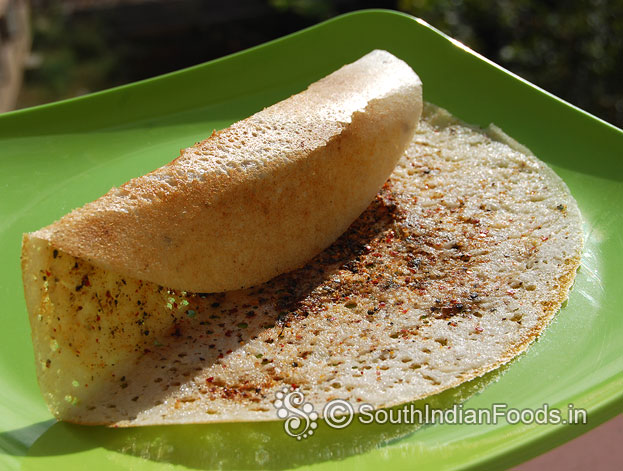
x: 571, y: 48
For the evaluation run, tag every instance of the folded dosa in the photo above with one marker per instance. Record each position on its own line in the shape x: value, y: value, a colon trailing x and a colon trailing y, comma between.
x: 454, y: 269
x: 261, y: 197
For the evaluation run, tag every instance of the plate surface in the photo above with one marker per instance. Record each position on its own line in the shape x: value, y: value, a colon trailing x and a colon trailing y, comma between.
x: 57, y: 157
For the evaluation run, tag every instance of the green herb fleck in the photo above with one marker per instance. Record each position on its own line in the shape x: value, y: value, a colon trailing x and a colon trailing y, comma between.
x: 71, y: 399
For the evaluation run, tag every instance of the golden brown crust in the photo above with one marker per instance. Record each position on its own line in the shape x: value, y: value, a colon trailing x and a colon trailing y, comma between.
x: 259, y: 198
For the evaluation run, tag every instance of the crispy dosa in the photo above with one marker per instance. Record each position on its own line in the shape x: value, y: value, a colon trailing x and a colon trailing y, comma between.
x: 261, y: 197
x: 460, y: 262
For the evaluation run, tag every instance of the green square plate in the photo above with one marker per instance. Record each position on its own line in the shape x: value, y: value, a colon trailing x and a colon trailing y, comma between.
x: 59, y: 156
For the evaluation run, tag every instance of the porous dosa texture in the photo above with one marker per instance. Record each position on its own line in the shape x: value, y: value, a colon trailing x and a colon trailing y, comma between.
x: 261, y: 197
x: 460, y: 262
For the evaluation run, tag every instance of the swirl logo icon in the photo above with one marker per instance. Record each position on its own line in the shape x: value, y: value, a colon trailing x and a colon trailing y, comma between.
x: 338, y: 413
x: 301, y: 419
